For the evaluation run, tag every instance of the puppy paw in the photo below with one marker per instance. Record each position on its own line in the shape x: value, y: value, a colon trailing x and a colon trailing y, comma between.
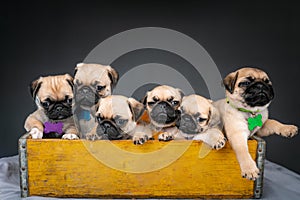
x: 220, y: 143
x: 36, y: 133
x: 91, y: 136
x: 165, y: 136
x: 250, y: 171
x: 70, y: 136
x: 288, y: 131
x: 137, y: 140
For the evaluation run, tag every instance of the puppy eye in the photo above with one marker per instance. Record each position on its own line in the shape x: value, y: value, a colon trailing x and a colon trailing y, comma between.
x: 100, y: 87
x: 46, y: 104
x: 267, y: 81
x: 121, y: 122
x: 155, y: 98
x: 99, y: 118
x: 69, y: 101
x: 77, y: 82
x: 244, y: 84
x: 175, y: 103
x: 200, y: 119
x: 151, y: 103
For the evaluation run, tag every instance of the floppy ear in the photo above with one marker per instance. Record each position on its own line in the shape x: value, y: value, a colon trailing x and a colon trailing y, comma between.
x: 113, y: 75
x: 213, y: 117
x: 34, y: 87
x: 230, y: 80
x: 69, y: 79
x: 144, y: 99
x: 180, y: 92
x: 94, y: 109
x: 77, y: 67
x: 136, y: 107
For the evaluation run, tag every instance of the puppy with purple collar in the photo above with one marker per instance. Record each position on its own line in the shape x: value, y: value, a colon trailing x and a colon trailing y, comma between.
x: 53, y: 118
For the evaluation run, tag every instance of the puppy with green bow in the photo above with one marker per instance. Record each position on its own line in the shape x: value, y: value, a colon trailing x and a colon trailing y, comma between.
x: 244, y: 113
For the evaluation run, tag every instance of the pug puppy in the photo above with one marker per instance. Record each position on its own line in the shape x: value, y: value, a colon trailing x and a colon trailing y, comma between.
x: 117, y: 118
x: 244, y: 113
x: 162, y: 105
x: 200, y: 120
x: 91, y: 83
x: 53, y: 96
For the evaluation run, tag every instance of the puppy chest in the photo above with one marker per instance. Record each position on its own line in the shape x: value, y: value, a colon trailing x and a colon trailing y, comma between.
x: 119, y: 169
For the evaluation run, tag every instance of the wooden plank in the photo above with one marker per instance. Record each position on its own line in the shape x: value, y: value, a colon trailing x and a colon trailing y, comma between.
x: 62, y: 168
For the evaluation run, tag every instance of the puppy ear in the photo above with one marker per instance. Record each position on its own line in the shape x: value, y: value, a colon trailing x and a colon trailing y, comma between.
x: 35, y: 87
x: 94, y: 109
x: 77, y: 67
x: 144, y: 99
x: 180, y: 92
x: 113, y: 75
x: 230, y: 80
x: 69, y: 79
x: 213, y: 117
x: 136, y: 107
x: 75, y: 71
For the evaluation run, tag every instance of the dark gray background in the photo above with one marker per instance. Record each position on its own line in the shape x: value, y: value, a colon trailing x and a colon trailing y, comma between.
x: 50, y: 37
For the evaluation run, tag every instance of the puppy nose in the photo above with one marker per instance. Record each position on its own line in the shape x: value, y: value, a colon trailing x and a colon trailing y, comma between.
x: 259, y: 85
x: 59, y: 108
x: 85, y: 90
x: 106, y: 125
x: 186, y: 118
x: 163, y: 105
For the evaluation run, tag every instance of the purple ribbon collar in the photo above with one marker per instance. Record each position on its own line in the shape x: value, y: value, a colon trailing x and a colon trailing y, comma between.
x: 56, y: 127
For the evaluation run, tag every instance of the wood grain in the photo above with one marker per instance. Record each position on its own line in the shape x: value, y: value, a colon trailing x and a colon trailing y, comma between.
x: 62, y: 168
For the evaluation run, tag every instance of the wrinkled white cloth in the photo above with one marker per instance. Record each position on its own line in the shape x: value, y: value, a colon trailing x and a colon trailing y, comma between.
x: 279, y: 182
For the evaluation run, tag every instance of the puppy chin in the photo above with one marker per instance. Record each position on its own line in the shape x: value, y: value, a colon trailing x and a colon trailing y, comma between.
x: 59, y: 115
x: 85, y: 104
x: 241, y: 103
x: 189, y: 131
x: 159, y: 125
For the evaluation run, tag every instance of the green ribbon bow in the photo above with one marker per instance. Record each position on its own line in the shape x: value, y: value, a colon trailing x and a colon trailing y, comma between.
x: 254, y: 122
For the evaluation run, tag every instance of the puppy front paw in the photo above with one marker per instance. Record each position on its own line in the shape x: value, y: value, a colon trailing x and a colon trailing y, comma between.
x: 165, y: 136
x: 70, y: 136
x: 92, y: 136
x: 249, y: 170
x: 288, y: 131
x: 140, y: 139
x: 36, y: 133
x: 219, y: 143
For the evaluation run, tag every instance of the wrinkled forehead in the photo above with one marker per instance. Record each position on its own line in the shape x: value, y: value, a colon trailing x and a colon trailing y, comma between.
x: 165, y: 93
x: 91, y: 72
x: 55, y: 88
x: 193, y: 106
x: 110, y: 107
x: 252, y: 73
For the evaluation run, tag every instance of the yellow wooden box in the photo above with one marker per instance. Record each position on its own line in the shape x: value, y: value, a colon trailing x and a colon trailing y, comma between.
x: 120, y: 169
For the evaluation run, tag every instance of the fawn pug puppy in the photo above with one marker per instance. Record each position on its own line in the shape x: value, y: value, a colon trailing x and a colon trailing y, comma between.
x: 117, y: 118
x: 91, y: 83
x: 53, y: 96
x: 244, y: 113
x: 162, y: 104
x: 200, y: 120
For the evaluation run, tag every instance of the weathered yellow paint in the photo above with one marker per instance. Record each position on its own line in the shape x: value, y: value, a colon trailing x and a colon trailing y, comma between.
x: 62, y: 168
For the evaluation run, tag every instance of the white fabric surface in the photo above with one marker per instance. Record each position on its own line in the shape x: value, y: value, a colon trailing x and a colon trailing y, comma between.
x: 279, y: 182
